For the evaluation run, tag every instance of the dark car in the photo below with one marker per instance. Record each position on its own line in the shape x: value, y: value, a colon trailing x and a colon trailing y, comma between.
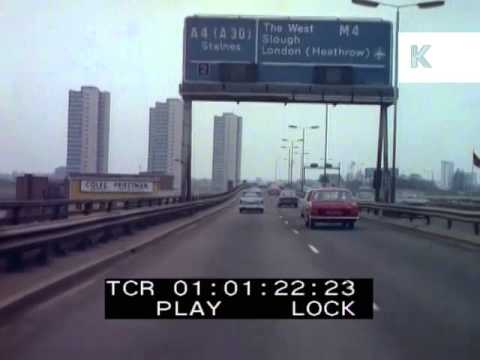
x: 287, y: 198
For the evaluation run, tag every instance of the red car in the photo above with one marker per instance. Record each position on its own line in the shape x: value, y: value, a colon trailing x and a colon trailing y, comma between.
x: 330, y: 205
x: 274, y: 191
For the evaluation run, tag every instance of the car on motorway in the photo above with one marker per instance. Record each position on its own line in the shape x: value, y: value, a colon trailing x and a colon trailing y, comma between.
x: 256, y: 189
x: 411, y: 198
x: 274, y: 190
x: 302, y: 202
x: 251, y: 201
x: 287, y: 198
x: 365, y: 194
x: 330, y: 205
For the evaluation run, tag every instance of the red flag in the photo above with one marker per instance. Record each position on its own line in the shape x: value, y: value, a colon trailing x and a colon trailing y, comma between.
x: 476, y: 160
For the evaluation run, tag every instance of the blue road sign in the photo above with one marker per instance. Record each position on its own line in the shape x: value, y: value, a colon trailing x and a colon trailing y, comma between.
x: 214, y: 40
x: 324, y: 42
x: 349, y: 60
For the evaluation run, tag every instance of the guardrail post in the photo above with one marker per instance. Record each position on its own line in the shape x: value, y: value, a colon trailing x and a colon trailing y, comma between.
x: 107, y: 235
x: 57, y: 209
x: 43, y: 255
x: 127, y: 229
x: 109, y: 206
x: 58, y: 249
x: 427, y: 218
x: 476, y: 228
x: 84, y: 242
x: 126, y: 204
x: 42, y: 213
x: 87, y: 208
x: 449, y: 224
x: 15, y: 261
x: 15, y: 215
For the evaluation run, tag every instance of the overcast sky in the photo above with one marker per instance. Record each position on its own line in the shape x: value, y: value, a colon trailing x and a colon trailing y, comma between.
x: 133, y: 49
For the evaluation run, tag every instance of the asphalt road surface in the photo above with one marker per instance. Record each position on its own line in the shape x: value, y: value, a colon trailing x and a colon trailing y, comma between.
x: 427, y: 297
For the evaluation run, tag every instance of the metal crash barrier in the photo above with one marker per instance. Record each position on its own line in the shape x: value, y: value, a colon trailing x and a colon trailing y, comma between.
x: 426, y: 213
x: 59, y: 237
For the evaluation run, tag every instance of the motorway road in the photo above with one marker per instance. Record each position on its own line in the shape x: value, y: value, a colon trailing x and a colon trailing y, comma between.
x: 427, y: 295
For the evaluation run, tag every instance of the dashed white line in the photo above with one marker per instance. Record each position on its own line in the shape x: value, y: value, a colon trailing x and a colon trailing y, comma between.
x: 281, y: 217
x: 295, y: 232
x: 313, y: 248
x: 376, y: 307
x: 286, y: 222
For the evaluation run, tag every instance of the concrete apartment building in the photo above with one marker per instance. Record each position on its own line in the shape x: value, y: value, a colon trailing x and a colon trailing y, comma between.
x: 227, y: 151
x: 165, y: 139
x: 446, y: 176
x: 88, y: 130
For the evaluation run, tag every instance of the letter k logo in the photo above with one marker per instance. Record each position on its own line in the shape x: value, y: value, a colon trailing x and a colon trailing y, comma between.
x: 418, y: 56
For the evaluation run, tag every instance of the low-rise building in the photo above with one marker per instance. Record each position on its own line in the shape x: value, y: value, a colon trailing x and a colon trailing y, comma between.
x: 113, y: 186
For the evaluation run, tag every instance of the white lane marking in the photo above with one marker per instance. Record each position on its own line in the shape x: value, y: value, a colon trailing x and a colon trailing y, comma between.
x: 295, y: 232
x: 376, y: 307
x: 313, y: 248
x: 281, y: 217
x: 286, y: 222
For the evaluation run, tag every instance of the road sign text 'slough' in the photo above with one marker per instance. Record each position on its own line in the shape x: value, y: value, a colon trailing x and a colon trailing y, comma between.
x: 287, y: 51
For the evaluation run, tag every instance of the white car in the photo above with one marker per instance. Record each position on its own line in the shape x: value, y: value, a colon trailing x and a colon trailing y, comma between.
x: 251, y: 200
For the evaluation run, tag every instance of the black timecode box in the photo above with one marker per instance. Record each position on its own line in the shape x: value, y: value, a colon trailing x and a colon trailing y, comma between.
x: 239, y: 298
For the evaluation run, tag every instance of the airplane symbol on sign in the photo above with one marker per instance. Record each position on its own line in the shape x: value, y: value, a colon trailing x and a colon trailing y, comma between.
x: 379, y: 54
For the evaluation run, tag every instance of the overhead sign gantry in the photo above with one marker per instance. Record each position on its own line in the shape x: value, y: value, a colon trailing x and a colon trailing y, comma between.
x: 283, y: 59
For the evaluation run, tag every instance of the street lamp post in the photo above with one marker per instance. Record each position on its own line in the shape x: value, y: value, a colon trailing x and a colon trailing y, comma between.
x: 326, y: 144
x: 288, y: 168
x: 300, y: 165
x: 339, y: 172
x: 290, y: 164
x: 290, y: 159
x: 303, y: 169
x: 293, y: 147
x: 302, y: 161
x: 420, y: 5
x: 290, y: 150
x: 276, y: 170
x: 326, y: 165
